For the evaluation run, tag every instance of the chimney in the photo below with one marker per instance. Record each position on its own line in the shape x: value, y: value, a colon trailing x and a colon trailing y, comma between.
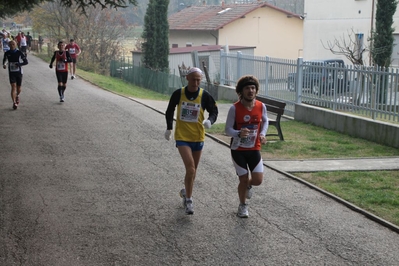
x: 222, y: 4
x: 175, y: 45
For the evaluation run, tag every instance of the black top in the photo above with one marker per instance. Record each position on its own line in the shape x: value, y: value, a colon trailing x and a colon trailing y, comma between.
x: 15, y: 56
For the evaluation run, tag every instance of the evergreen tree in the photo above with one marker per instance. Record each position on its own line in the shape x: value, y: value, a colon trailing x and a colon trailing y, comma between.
x: 383, y: 36
x: 148, y: 35
x: 156, y: 36
x: 383, y: 40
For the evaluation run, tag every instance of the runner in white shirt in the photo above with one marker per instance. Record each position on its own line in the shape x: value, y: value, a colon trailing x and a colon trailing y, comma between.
x: 5, y: 42
x: 23, y: 43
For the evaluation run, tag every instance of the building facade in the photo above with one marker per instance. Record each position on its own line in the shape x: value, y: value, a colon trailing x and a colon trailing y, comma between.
x: 273, y: 31
x: 328, y: 21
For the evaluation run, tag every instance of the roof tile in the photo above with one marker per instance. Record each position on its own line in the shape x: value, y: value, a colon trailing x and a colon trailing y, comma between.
x: 209, y: 18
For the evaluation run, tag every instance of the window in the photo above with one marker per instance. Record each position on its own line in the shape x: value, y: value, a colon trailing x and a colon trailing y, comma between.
x: 359, y: 44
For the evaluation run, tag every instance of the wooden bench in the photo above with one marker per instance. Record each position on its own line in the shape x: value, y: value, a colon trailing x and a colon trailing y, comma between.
x: 275, y: 107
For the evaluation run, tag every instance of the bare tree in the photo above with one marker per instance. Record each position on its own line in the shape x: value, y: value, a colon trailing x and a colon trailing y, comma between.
x: 100, y: 44
x: 352, y: 47
x: 12, y: 7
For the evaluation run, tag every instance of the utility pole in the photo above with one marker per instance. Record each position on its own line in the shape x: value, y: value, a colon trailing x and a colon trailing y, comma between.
x: 371, y: 31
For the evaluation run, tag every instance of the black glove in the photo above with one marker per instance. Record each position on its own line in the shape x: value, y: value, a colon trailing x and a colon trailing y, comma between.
x: 50, y: 66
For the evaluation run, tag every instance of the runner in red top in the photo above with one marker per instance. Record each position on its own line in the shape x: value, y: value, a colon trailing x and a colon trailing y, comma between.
x: 247, y: 124
x: 61, y: 58
x: 18, y: 39
x: 74, y: 50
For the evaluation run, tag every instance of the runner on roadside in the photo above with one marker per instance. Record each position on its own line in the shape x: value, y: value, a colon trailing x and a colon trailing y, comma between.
x: 74, y: 50
x: 247, y: 124
x: 29, y: 41
x: 191, y: 102
x: 61, y: 58
x: 5, y: 40
x: 15, y: 60
x: 18, y: 39
x: 23, y: 43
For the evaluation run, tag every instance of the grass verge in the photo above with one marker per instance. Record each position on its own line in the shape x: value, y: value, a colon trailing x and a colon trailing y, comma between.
x: 375, y: 192
x: 119, y: 86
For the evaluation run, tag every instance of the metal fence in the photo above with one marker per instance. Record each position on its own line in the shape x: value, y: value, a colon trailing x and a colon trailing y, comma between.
x: 143, y: 77
x: 366, y: 91
x: 370, y: 92
x: 153, y: 80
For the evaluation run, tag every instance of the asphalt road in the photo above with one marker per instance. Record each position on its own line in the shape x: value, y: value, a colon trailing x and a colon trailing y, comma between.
x: 93, y: 182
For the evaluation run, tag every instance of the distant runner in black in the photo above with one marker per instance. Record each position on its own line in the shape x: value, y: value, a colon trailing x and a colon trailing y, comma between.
x: 15, y: 60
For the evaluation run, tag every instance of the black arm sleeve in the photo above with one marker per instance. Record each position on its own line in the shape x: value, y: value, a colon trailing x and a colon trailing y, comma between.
x: 52, y: 59
x: 68, y: 56
x: 23, y: 58
x: 173, y: 102
x: 210, y: 106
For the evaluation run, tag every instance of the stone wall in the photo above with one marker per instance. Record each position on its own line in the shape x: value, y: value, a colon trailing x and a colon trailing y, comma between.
x: 364, y: 128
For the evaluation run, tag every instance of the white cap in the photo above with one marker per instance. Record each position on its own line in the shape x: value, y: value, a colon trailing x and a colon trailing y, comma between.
x: 193, y: 70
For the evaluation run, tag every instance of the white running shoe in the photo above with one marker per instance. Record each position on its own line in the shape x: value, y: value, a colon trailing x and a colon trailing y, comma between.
x: 249, y: 192
x: 182, y: 194
x: 242, y: 211
x: 189, y: 207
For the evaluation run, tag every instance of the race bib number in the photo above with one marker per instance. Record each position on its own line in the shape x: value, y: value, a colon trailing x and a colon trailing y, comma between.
x: 14, y: 67
x: 72, y: 50
x: 247, y: 142
x: 189, y: 112
x: 60, y: 65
